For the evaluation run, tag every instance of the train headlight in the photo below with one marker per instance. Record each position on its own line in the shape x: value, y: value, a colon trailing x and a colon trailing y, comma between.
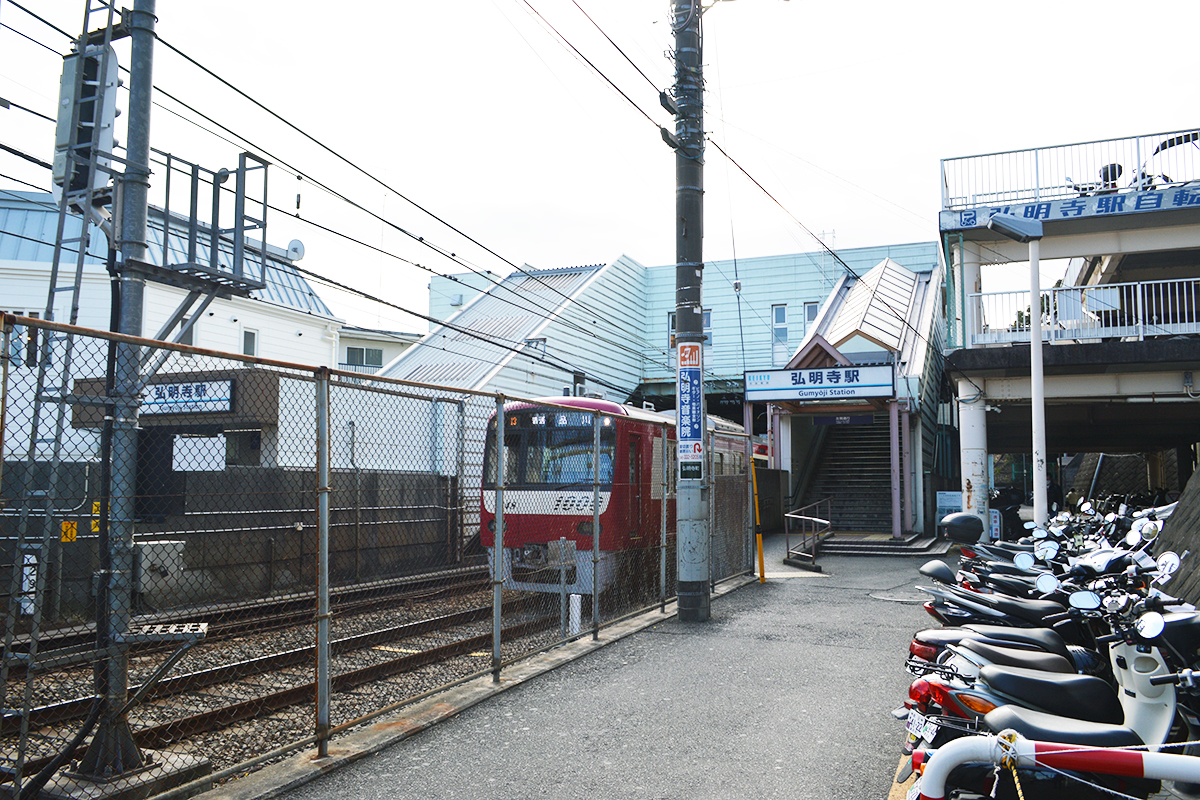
x: 491, y: 525
x: 585, y: 528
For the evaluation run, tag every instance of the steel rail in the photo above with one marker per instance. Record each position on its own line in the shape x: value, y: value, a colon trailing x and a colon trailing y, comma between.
x: 163, y: 735
x: 79, y: 707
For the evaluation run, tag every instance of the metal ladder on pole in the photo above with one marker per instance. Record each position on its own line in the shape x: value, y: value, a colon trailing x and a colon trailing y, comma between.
x: 36, y: 560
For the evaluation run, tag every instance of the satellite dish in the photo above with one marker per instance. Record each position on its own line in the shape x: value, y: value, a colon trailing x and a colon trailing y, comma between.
x: 295, y: 249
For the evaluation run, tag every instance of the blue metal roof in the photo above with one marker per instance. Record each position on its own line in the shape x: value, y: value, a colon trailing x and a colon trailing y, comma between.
x: 29, y: 221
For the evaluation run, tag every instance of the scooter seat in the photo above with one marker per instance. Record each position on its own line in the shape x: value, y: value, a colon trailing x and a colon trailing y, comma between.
x: 1029, y: 611
x: 1044, y: 638
x: 1042, y: 727
x: 1079, y: 697
x: 1012, y: 657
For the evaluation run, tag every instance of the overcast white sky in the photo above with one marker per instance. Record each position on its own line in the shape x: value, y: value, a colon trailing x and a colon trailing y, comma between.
x: 476, y: 111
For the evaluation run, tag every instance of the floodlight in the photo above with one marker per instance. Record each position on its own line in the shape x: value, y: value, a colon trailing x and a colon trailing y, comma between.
x: 1019, y: 229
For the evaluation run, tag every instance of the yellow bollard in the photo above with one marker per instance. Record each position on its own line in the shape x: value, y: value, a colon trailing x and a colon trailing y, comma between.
x: 762, y: 571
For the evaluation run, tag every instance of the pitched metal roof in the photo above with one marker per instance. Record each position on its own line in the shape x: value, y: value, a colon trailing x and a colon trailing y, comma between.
x: 29, y: 222
x: 468, y: 348
x: 876, y: 307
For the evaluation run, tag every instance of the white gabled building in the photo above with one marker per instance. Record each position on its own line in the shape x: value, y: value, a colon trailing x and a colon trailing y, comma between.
x: 285, y: 320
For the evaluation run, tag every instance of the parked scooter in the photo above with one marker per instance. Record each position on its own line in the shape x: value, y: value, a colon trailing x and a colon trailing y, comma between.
x: 979, y: 676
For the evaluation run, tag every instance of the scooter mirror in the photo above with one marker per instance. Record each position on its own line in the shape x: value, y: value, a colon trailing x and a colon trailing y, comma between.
x: 1046, y: 583
x: 1088, y: 601
x: 1030, y: 525
x: 1150, y: 530
x: 1064, y: 517
x: 1024, y: 561
x: 1109, y: 517
x: 1045, y: 550
x: 1133, y: 538
x: 1040, y: 533
x: 1167, y: 563
x: 1150, y: 625
x: 1085, y: 507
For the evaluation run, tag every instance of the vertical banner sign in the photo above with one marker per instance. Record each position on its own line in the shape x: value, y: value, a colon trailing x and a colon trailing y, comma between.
x: 689, y: 420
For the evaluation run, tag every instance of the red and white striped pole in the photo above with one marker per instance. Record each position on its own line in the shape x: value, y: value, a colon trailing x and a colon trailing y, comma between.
x: 1027, y: 753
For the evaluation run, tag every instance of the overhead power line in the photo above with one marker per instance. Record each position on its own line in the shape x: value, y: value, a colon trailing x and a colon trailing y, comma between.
x: 445, y: 252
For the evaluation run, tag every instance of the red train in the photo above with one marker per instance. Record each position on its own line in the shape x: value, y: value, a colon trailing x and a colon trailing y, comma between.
x: 548, y: 492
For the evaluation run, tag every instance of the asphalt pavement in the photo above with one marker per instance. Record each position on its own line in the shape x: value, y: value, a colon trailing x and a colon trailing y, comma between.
x: 786, y: 692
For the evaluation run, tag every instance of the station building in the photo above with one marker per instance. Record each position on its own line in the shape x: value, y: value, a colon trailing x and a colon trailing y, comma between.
x: 608, y: 329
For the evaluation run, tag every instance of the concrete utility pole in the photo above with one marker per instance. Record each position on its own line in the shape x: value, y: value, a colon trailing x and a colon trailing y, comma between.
x: 691, y: 509
x: 113, y: 751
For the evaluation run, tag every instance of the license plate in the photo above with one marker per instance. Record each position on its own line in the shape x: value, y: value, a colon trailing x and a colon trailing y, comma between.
x: 915, y: 790
x: 921, y: 726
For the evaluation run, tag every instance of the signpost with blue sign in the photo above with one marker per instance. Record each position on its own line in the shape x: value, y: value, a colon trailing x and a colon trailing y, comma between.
x: 689, y: 421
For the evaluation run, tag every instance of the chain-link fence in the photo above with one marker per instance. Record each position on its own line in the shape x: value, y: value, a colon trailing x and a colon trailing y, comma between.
x: 187, y: 572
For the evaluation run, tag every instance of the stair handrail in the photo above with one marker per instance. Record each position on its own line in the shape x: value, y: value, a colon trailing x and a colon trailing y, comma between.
x: 815, y: 525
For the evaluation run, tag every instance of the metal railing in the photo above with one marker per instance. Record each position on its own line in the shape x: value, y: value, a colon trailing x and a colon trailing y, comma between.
x: 1085, y: 313
x: 814, y: 523
x: 1136, y: 163
x: 364, y: 369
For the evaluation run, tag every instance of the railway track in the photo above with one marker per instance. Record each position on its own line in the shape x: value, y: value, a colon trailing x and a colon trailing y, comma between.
x: 167, y: 714
x: 237, y: 619
x: 78, y: 708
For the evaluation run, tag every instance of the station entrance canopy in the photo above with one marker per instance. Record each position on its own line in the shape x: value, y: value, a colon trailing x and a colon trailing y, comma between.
x: 822, y: 385
x: 820, y: 379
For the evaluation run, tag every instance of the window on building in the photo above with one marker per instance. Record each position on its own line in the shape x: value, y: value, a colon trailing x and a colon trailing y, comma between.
x: 23, y: 343
x: 706, y: 327
x: 810, y: 314
x: 779, y: 335
x: 364, y: 356
x: 249, y: 342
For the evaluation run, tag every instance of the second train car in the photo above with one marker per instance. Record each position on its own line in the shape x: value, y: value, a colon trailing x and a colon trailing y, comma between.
x: 548, y: 492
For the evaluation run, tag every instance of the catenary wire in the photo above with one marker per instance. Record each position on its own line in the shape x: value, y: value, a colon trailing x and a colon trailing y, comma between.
x: 847, y: 267
x: 624, y: 55
x: 554, y: 362
x: 542, y: 310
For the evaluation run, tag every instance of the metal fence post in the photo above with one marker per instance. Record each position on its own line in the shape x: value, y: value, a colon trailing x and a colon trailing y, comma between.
x: 562, y: 586
x: 322, y: 387
x: 711, y: 455
x: 596, y: 526
x: 498, y: 544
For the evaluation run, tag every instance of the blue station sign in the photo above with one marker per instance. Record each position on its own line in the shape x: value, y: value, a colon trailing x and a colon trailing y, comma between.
x: 1093, y: 205
x: 827, y: 383
x: 188, y: 397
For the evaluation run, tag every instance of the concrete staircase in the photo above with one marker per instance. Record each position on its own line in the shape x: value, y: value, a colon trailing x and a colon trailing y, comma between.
x: 854, y: 470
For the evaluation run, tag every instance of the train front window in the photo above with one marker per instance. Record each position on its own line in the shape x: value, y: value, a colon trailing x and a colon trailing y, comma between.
x: 567, y: 457
x: 544, y: 450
